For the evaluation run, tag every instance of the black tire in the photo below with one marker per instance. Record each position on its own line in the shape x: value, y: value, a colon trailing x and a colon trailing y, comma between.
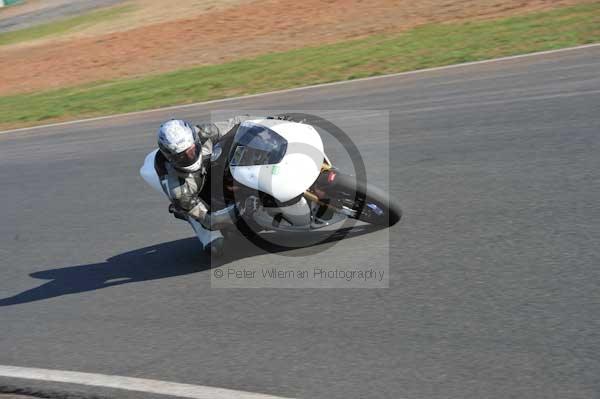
x: 373, y: 205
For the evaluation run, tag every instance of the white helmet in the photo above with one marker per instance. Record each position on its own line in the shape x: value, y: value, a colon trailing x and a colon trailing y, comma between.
x: 180, y: 144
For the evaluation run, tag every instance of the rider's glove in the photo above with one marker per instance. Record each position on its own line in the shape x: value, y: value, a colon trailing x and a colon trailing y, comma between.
x: 177, y: 213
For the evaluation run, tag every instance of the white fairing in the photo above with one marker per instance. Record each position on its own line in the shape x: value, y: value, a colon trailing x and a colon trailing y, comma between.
x: 148, y: 172
x: 298, y: 169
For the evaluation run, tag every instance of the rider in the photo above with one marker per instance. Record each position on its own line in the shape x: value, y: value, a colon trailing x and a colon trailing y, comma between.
x: 182, y: 165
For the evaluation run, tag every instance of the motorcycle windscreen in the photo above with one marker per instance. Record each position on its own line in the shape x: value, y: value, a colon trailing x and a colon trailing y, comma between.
x: 257, y: 145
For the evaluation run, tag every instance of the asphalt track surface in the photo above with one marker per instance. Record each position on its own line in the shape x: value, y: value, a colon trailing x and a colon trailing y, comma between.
x: 494, y: 286
x: 56, y: 10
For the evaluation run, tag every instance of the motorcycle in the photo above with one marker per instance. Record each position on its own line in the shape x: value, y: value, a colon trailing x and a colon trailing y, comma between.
x: 272, y: 174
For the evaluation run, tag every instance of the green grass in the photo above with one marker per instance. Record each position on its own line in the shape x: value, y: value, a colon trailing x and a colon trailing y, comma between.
x: 62, y: 26
x: 426, y: 46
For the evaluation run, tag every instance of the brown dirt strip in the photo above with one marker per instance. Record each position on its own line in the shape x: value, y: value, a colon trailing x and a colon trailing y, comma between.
x: 245, y: 30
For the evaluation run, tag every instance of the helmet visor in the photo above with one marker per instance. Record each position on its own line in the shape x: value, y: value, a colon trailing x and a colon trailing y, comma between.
x: 185, y: 158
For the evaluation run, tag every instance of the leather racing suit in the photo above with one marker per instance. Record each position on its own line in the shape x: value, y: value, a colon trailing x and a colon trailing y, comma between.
x: 184, y: 188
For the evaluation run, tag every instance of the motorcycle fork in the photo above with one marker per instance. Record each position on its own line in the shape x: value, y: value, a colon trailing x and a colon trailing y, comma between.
x: 319, y: 190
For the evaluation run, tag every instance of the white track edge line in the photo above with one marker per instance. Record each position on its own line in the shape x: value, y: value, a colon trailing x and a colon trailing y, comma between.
x: 418, y: 71
x: 129, y: 383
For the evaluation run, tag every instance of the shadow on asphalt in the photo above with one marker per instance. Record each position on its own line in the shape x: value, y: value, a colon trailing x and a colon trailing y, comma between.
x: 169, y: 259
x: 165, y: 260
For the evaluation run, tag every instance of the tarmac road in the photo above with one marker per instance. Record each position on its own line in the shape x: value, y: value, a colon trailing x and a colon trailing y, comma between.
x: 51, y: 10
x: 494, y: 289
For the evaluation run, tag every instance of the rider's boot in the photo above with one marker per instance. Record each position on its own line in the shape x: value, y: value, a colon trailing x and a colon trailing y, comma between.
x: 216, y: 247
x: 212, y: 240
